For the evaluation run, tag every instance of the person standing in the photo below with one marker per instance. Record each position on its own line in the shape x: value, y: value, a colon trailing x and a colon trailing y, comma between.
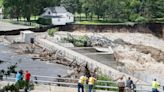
x: 155, y: 85
x: 21, y: 73
x: 121, y: 85
x: 18, y: 77
x: 27, y: 76
x: 81, y: 82
x: 27, y: 79
x: 91, y: 82
x: 129, y: 84
x: 1, y: 76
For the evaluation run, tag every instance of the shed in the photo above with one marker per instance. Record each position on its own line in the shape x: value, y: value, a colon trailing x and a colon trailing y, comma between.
x: 28, y: 36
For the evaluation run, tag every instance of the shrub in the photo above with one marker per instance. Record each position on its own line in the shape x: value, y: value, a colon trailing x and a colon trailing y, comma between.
x: 44, y: 21
x: 19, y: 85
x: 137, y: 18
x: 78, y: 44
x: 81, y: 41
x: 133, y: 17
x: 141, y: 19
x: 106, y: 78
x: 11, y: 88
x: 52, y: 31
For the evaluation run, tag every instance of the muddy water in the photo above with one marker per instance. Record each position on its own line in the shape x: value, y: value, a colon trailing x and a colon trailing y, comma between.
x: 26, y: 63
x: 108, y: 60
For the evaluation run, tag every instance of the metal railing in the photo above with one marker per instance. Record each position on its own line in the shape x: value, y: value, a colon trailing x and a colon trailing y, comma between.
x: 66, y: 82
x: 70, y: 82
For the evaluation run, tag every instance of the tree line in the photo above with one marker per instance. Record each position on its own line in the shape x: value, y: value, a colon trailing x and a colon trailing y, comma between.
x: 115, y: 10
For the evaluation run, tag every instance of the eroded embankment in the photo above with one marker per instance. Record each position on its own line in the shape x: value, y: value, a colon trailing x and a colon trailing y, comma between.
x: 156, y: 29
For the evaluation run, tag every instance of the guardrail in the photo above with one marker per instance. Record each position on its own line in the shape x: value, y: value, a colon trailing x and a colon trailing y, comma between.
x: 69, y: 82
x: 66, y: 82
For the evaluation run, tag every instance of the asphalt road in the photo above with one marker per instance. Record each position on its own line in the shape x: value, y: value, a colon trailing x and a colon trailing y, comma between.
x: 36, y: 67
x: 4, y: 26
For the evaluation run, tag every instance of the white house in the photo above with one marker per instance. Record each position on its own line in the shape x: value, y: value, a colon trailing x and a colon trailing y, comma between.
x: 59, y: 15
x: 1, y: 13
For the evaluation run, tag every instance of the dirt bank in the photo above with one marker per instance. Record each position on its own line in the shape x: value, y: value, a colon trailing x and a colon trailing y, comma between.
x: 154, y: 28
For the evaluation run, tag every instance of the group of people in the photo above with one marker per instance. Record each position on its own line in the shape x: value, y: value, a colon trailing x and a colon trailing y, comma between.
x: 130, y: 86
x: 20, y: 76
x: 88, y: 80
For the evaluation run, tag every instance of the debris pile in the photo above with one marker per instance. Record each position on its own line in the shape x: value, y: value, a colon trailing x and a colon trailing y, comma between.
x: 98, y: 40
x: 58, y: 57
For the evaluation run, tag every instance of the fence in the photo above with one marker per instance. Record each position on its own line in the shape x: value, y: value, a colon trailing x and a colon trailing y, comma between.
x: 72, y: 83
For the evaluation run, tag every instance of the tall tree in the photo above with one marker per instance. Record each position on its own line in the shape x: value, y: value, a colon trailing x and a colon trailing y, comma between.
x: 70, y: 5
x: 12, y: 8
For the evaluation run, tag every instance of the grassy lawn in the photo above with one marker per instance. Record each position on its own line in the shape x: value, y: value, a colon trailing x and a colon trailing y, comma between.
x: 103, y: 23
x: 1, y: 2
x: 78, y: 15
x: 33, y: 18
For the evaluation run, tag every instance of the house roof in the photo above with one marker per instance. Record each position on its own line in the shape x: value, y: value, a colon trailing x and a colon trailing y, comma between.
x: 57, y: 9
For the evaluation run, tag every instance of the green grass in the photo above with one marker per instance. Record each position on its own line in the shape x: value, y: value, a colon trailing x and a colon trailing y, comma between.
x: 33, y: 18
x: 78, y: 15
x: 1, y: 1
x: 103, y: 23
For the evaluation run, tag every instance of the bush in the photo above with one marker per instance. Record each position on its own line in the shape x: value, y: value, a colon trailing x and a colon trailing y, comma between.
x: 19, y: 85
x: 105, y: 78
x: 78, y: 44
x: 141, y: 19
x: 44, y: 21
x: 137, y: 18
x: 11, y: 88
x: 81, y: 41
x: 133, y: 17
x: 52, y: 31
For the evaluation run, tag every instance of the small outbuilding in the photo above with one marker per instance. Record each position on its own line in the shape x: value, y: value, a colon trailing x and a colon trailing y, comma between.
x: 28, y: 36
x: 59, y: 15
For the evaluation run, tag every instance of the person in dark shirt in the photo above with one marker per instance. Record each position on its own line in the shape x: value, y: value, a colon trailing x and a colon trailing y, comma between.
x: 129, y: 85
x: 21, y: 73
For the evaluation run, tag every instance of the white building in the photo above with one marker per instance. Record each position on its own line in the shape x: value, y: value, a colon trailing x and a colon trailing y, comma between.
x: 1, y: 13
x: 27, y: 36
x: 59, y: 15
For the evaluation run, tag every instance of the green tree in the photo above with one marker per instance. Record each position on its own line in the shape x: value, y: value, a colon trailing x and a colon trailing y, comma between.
x: 116, y: 10
x: 12, y: 8
x: 70, y: 5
